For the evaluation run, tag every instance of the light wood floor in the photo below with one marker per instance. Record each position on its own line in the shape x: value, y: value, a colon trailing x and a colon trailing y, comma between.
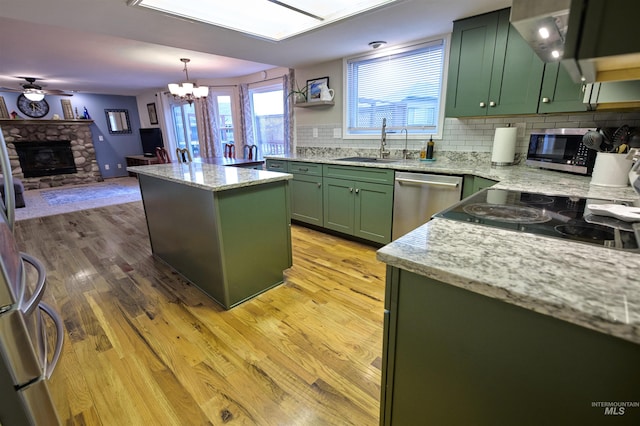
x: 143, y: 347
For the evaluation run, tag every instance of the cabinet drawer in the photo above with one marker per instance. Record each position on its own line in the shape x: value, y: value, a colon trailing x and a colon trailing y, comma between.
x: 277, y: 165
x: 311, y: 169
x: 362, y: 174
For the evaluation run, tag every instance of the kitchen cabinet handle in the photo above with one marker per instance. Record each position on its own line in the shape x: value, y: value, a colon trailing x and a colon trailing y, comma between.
x: 492, y: 104
x: 546, y: 100
x: 319, y: 184
x: 350, y: 189
x: 427, y: 182
x: 303, y: 170
x: 275, y: 166
x: 482, y: 105
x: 357, y: 191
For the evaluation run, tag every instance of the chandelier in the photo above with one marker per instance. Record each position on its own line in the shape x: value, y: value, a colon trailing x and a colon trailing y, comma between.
x: 187, y: 91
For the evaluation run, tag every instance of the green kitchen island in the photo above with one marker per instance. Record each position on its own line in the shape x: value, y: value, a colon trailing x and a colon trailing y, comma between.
x: 225, y: 229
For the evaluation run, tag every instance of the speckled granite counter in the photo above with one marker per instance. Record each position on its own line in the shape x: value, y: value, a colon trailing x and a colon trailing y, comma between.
x: 209, y: 176
x: 518, y: 178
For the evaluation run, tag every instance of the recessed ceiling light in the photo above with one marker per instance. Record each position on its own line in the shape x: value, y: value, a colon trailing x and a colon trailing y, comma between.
x: 270, y: 19
x: 544, y: 32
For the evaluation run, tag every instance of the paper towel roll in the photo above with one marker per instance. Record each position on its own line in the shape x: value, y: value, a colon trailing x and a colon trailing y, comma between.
x: 504, y: 146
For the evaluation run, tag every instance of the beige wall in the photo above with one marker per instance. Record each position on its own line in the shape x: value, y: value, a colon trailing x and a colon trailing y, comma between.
x: 324, y: 114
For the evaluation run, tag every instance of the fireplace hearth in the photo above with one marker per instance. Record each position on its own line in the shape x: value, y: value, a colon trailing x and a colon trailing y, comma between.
x: 45, y: 158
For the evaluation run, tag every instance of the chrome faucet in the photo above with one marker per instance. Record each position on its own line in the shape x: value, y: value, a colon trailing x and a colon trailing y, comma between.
x: 406, y: 136
x: 384, y: 153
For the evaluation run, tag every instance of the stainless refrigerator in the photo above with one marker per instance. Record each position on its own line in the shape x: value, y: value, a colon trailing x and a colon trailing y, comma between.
x: 27, y: 355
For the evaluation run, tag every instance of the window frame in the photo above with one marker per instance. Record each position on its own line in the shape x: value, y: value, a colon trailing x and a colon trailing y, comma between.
x: 394, y: 132
x: 235, y: 114
x: 265, y: 87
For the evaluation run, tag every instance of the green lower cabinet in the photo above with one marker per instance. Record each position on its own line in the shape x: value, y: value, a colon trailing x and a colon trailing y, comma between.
x: 473, y: 184
x: 339, y: 205
x: 361, y: 209
x: 455, y: 357
x: 306, y: 199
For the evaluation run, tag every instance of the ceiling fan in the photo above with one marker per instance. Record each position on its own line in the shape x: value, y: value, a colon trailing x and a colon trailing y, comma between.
x: 33, y: 91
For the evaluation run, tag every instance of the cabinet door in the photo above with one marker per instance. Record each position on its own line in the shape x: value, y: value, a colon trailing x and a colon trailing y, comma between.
x: 517, y: 73
x: 373, y: 211
x: 480, y: 183
x: 306, y: 199
x: 559, y: 92
x: 277, y: 165
x: 338, y: 204
x: 473, y: 45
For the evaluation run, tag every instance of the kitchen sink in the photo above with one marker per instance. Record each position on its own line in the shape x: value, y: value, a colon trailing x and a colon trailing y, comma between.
x: 368, y: 160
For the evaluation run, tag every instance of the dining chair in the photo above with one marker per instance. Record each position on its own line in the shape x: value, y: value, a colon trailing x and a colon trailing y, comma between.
x: 184, y: 156
x: 229, y: 150
x: 162, y: 155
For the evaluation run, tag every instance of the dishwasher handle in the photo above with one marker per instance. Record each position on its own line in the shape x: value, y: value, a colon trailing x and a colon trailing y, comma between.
x: 428, y: 182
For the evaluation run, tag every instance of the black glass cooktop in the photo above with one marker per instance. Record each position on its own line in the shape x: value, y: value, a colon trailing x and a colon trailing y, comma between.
x: 549, y: 215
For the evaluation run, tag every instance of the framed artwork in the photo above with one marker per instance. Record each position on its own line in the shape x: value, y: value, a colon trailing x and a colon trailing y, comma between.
x: 67, y: 110
x: 313, y: 88
x: 153, y: 115
x: 4, y: 113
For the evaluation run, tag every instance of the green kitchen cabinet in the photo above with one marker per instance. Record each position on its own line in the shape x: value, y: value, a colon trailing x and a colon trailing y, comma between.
x: 454, y: 357
x: 277, y: 165
x: 306, y: 192
x: 473, y: 184
x: 358, y: 201
x: 492, y: 70
x: 559, y: 92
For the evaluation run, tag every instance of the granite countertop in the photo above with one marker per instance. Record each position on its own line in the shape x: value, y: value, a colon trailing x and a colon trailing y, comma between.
x: 209, y: 176
x: 517, y: 178
x: 593, y: 287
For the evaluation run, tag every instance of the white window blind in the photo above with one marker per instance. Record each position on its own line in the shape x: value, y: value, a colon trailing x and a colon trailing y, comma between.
x: 404, y: 86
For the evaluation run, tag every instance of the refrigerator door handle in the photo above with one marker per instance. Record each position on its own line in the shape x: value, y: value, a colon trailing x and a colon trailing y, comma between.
x: 57, y: 320
x: 9, y: 206
x: 33, y: 302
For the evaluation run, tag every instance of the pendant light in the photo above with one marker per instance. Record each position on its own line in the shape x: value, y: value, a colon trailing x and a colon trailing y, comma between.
x: 187, y: 91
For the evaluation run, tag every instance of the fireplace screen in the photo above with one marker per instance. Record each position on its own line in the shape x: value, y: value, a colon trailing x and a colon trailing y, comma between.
x: 45, y: 158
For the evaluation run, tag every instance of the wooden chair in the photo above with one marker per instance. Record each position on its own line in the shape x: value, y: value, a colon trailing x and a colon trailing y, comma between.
x: 229, y: 150
x: 250, y: 152
x: 184, y: 156
x: 162, y: 155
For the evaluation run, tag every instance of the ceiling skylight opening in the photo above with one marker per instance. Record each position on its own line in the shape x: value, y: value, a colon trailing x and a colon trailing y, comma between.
x: 274, y: 20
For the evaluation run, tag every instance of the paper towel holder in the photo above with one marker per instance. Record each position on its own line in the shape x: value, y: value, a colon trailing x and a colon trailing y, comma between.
x: 503, y: 152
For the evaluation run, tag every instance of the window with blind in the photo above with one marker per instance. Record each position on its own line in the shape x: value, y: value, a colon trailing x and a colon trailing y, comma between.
x: 403, y: 85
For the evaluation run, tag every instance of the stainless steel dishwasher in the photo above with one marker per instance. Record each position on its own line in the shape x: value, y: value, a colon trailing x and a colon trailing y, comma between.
x: 418, y: 196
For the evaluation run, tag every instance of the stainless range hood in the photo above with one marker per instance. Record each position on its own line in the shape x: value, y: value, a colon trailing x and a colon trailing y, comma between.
x: 596, y: 40
x: 543, y: 24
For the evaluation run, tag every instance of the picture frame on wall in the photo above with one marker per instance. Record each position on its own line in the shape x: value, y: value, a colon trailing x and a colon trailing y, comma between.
x: 313, y: 88
x: 153, y: 115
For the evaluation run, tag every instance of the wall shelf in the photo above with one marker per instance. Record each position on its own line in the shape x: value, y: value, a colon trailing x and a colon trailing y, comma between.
x: 36, y: 121
x: 314, y: 104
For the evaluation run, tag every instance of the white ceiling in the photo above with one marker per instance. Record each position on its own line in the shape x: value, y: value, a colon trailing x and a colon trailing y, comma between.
x: 105, y: 46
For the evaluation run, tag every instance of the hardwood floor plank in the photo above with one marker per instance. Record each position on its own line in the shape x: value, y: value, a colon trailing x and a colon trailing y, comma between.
x: 144, y: 346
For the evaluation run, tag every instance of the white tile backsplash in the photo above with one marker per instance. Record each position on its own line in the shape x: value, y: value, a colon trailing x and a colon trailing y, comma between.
x: 468, y: 134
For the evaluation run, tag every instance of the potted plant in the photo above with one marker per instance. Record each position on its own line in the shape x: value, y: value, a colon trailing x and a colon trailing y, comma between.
x: 299, y: 95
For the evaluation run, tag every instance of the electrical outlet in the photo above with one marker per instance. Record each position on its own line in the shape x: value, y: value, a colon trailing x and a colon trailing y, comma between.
x: 106, y: 167
x: 337, y: 133
x: 119, y: 165
x: 315, y: 132
x: 521, y: 128
x: 100, y: 137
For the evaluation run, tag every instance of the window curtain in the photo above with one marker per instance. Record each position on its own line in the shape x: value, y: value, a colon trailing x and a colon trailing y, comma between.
x: 287, y: 85
x: 246, y: 121
x: 165, y: 122
x: 208, y: 129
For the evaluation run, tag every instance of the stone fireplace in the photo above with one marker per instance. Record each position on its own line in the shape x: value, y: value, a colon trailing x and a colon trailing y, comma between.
x: 49, y: 153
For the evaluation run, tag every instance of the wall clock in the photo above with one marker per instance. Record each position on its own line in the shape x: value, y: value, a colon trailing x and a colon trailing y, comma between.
x: 33, y: 109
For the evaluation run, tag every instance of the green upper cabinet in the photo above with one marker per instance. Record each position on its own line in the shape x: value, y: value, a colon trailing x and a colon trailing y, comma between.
x: 492, y: 70
x: 559, y: 92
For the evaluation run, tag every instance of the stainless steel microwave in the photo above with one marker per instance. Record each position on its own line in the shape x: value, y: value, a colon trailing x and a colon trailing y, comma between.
x: 562, y: 150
